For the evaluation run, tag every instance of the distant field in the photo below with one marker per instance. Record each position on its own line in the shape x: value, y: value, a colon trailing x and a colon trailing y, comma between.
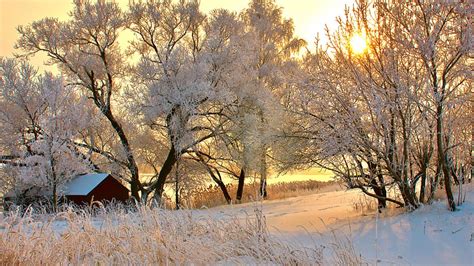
x: 316, y: 174
x: 212, y: 196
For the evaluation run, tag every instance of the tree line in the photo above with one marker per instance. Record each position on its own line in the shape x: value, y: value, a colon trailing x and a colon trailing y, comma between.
x: 188, y: 96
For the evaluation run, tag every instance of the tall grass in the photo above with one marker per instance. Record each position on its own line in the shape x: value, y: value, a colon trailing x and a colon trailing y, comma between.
x: 143, y: 236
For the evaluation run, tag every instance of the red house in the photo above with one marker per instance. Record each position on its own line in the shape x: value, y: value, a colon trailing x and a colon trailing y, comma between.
x: 95, y: 187
x: 81, y: 190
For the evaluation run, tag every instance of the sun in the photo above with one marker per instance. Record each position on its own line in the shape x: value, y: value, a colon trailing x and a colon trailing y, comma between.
x: 358, y: 43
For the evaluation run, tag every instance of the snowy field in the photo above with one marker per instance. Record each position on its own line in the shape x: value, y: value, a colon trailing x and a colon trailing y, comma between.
x: 430, y: 235
x: 316, y: 229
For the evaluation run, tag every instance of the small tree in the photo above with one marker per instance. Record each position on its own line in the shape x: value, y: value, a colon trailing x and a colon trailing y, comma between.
x: 47, y: 118
x: 274, y: 48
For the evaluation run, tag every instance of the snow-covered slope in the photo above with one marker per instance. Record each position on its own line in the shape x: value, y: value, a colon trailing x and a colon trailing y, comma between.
x: 431, y: 235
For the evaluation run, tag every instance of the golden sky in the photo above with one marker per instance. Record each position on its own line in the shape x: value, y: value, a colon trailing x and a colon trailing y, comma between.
x: 309, y: 16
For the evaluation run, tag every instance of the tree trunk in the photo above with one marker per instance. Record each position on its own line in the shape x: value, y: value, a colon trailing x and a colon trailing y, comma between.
x: 221, y: 185
x: 159, y: 186
x: 216, y: 179
x: 443, y: 158
x: 135, y: 185
x: 409, y: 198
x: 409, y: 189
x: 471, y: 150
x: 263, y: 174
x: 224, y: 190
x: 177, y: 184
x: 240, y: 187
x: 381, y: 199
x: 55, y: 184
x: 382, y: 188
x: 365, y: 191
x: 434, y: 183
x: 423, y: 185
x: 55, y: 197
x: 378, y: 187
x: 263, y: 188
x: 447, y: 186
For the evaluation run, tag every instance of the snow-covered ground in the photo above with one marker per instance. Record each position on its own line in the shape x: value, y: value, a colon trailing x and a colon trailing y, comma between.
x: 431, y: 235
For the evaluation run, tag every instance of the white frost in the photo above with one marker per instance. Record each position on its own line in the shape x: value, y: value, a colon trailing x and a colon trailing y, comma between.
x: 84, y: 184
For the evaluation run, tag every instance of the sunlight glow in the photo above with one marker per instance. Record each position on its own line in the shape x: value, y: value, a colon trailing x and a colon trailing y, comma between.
x: 358, y: 43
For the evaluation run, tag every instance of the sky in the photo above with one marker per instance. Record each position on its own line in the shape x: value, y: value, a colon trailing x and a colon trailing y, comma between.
x: 309, y: 16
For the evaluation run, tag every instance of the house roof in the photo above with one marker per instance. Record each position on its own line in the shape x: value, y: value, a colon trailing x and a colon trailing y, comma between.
x: 82, y: 185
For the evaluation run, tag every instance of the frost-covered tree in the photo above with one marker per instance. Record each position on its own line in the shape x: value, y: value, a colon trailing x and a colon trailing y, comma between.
x: 273, y: 51
x: 86, y: 50
x: 373, y: 118
x: 188, y: 73
x: 41, y: 118
x: 440, y: 35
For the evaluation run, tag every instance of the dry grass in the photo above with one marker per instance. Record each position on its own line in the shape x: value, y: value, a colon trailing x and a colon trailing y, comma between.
x: 364, y: 204
x: 212, y: 195
x: 147, y: 236
x: 343, y: 252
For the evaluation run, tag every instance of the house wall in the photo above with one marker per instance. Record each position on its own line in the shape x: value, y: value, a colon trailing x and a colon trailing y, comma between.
x: 79, y: 200
x: 110, y: 189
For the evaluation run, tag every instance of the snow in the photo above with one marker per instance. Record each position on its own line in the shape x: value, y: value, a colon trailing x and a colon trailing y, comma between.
x: 431, y: 235
x: 84, y: 184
